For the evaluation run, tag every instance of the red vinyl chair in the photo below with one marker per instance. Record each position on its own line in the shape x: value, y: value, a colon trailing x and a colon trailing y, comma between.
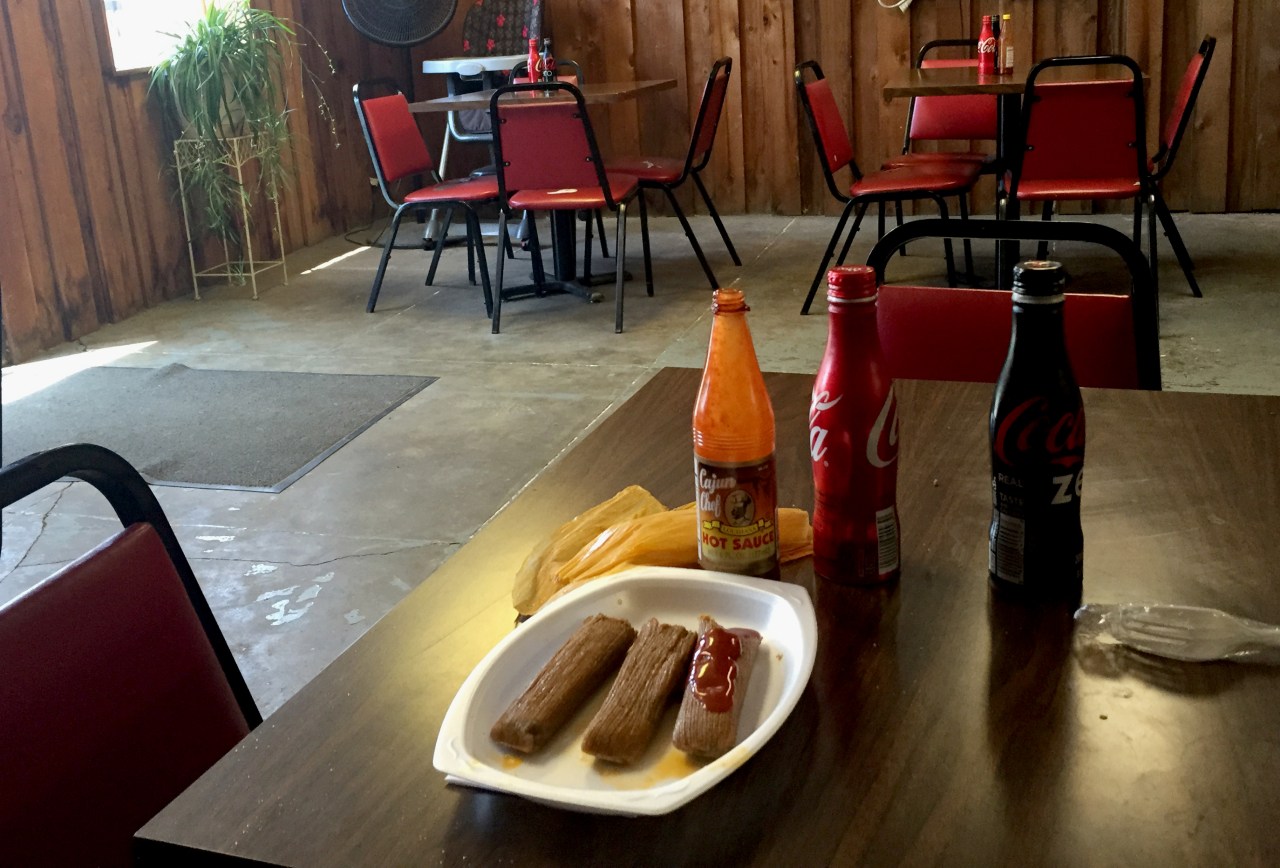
x: 1175, y: 125
x: 398, y: 151
x: 963, y: 117
x: 667, y: 174
x: 944, y: 333
x: 835, y: 152
x: 117, y: 689
x: 548, y: 160
x: 1084, y: 140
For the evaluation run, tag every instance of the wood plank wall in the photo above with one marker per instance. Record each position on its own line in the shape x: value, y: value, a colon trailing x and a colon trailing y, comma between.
x: 92, y: 231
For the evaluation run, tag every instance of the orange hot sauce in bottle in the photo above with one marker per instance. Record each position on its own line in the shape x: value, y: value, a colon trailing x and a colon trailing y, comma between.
x: 733, y: 450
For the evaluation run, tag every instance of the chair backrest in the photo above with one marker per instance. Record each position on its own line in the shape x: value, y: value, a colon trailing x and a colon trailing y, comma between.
x: 1083, y: 130
x: 703, y: 138
x: 938, y: 118
x: 1180, y: 113
x: 945, y: 333
x: 395, y: 143
x: 117, y: 688
x: 543, y: 140
x: 830, y: 135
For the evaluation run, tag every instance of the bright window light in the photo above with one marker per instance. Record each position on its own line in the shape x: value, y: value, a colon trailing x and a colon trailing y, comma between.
x: 142, y: 31
x: 22, y: 380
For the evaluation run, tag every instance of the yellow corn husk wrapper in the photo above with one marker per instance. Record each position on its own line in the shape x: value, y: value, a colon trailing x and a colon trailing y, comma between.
x: 660, y: 539
x: 535, y: 583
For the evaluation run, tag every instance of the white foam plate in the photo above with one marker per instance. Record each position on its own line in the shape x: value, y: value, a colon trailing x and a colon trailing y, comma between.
x: 664, y: 778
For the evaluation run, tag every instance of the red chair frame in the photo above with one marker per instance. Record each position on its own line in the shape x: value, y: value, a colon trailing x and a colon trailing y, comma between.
x: 1170, y: 138
x: 835, y: 152
x: 667, y: 175
x: 118, y: 687
x: 398, y: 151
x: 930, y: 332
x: 548, y: 160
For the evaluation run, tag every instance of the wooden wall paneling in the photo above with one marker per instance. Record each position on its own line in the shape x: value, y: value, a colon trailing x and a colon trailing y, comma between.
x: 104, y: 214
x: 768, y: 105
x: 893, y: 54
x: 30, y: 320
x: 71, y: 291
x: 825, y: 32
x: 1255, y: 109
x: 664, y: 117
x: 726, y: 173
x: 1210, y: 133
x: 858, y: 91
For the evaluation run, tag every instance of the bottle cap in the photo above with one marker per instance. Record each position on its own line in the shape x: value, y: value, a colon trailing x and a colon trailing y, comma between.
x: 851, y: 283
x: 1006, y: 17
x: 1038, y: 280
x: 728, y: 301
x: 986, y: 19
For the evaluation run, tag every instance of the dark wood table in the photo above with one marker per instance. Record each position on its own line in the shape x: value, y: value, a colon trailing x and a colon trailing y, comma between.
x: 605, y: 92
x: 941, y: 724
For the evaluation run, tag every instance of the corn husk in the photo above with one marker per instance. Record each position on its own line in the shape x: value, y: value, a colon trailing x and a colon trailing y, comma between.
x: 536, y: 581
x: 663, y: 539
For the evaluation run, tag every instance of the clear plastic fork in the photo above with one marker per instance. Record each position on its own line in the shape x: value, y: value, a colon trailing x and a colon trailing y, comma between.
x: 1188, y: 633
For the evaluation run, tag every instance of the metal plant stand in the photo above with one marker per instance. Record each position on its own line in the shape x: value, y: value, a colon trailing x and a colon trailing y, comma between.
x: 234, y: 153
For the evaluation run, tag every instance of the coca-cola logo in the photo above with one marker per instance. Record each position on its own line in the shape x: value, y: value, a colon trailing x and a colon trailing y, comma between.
x: 987, y: 46
x: 822, y: 401
x: 882, y: 439
x: 882, y: 442
x: 1030, y: 429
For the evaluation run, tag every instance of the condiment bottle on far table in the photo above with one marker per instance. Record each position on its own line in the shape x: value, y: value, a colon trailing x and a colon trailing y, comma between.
x: 853, y: 440
x: 987, y: 48
x: 733, y: 449
x: 1005, y: 47
x: 534, y: 70
x: 1037, y: 449
x: 548, y: 61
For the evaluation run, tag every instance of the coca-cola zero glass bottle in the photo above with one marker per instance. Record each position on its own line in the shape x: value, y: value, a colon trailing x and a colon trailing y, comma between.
x: 1037, y: 436
x: 853, y: 440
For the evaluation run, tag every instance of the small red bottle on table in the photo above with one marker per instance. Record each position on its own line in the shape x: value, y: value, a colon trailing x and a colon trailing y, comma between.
x: 987, y: 49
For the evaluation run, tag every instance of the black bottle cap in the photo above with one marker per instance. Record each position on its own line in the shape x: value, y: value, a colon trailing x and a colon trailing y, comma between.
x: 1039, y: 277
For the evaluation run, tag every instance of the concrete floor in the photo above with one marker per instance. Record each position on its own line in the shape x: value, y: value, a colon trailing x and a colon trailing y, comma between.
x: 296, y: 577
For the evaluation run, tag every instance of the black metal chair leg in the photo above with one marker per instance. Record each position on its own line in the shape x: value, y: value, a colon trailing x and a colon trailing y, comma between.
x: 535, y: 251
x: 471, y: 250
x: 693, y: 239
x: 620, y: 247
x: 644, y: 243
x: 1175, y: 241
x: 947, y: 250
x: 848, y: 241
x: 386, y: 254
x: 1046, y: 213
x: 496, y: 315
x: 826, y: 256
x: 715, y: 216
x: 880, y: 220
x: 897, y: 213
x: 1137, y: 222
x: 587, y: 232
x: 968, y: 245
x: 1155, y: 263
x: 604, y: 251
x: 475, y: 236
x: 439, y: 245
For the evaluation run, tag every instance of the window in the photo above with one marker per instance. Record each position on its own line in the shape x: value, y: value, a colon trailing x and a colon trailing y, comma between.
x: 142, y: 31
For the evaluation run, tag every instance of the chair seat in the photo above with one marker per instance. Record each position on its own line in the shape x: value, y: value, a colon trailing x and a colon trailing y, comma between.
x: 655, y: 170
x: 457, y: 190
x: 575, y: 198
x: 916, y: 178
x: 982, y: 161
x: 1079, y: 188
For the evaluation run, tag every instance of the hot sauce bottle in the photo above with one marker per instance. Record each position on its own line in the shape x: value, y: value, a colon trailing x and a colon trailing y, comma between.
x: 733, y: 450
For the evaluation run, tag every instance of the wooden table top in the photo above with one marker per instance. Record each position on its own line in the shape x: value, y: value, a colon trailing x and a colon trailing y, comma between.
x: 940, y: 724
x: 951, y: 81
x: 602, y: 92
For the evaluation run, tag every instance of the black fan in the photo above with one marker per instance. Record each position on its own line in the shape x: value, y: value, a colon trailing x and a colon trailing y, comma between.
x: 399, y: 23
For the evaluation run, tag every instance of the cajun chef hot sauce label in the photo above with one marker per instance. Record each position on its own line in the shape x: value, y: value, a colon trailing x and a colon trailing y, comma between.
x: 737, y: 516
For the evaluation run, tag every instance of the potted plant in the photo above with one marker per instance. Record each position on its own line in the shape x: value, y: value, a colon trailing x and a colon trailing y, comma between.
x: 224, y: 87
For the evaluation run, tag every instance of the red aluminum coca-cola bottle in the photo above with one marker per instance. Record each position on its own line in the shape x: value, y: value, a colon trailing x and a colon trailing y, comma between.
x: 535, y: 61
x: 853, y: 440
x: 1037, y: 449
x: 987, y: 49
